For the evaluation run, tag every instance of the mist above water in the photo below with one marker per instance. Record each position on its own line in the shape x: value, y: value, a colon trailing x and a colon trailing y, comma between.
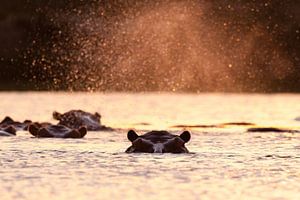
x: 162, y: 46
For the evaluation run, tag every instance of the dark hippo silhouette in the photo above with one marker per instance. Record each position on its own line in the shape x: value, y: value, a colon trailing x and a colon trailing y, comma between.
x: 271, y: 129
x: 7, y: 131
x: 56, y: 131
x: 223, y: 125
x: 158, y: 142
x: 19, y: 126
x: 78, y: 118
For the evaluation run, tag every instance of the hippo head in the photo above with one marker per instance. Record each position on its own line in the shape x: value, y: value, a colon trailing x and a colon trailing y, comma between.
x: 158, y: 142
x: 8, y: 121
x: 78, y: 118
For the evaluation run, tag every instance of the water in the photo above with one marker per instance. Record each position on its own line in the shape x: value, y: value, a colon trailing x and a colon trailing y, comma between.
x: 225, y: 163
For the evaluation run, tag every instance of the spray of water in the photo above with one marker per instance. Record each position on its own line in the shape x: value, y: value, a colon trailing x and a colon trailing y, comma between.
x: 164, y: 46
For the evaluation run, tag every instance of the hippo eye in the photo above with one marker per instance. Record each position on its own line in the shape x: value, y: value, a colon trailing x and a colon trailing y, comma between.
x: 142, y: 146
x: 175, y: 145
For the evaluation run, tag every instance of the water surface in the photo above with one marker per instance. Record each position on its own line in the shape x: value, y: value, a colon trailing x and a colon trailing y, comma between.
x: 224, y: 163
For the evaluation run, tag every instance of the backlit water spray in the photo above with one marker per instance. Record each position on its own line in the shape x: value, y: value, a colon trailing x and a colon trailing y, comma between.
x: 158, y: 46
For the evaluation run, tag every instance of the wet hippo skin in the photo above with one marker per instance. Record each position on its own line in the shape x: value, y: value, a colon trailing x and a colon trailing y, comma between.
x: 56, y: 131
x: 78, y: 118
x: 7, y: 131
x: 19, y: 126
x: 158, y: 142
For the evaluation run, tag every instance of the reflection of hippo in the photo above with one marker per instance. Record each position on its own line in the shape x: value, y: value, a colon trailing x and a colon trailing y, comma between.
x: 158, y: 142
x: 19, y: 126
x: 78, y: 118
x: 57, y: 131
x: 7, y: 131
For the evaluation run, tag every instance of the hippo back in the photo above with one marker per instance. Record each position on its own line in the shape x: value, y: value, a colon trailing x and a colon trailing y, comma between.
x: 78, y: 118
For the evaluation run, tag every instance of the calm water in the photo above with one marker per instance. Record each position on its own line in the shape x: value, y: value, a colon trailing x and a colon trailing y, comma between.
x: 226, y: 163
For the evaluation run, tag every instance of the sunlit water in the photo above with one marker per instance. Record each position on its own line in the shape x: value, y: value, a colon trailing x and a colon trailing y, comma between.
x: 226, y: 163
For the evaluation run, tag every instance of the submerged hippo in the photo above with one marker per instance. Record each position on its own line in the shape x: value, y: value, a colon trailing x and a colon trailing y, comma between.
x: 158, y: 142
x: 272, y: 129
x: 78, y: 118
x: 56, y: 131
x: 19, y: 126
x: 7, y: 131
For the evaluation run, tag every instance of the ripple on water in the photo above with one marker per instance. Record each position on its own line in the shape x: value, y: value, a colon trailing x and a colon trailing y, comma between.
x: 225, y: 163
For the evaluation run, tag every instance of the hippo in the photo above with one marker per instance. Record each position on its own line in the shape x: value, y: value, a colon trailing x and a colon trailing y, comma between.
x: 56, y: 131
x: 7, y: 131
x: 272, y: 129
x: 158, y: 142
x: 19, y: 126
x: 77, y: 118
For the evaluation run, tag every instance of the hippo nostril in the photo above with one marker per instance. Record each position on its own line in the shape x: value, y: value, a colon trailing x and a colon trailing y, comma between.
x: 158, y: 148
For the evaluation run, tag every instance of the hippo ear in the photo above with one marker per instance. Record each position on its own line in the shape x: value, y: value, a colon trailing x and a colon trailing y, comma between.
x: 33, y: 129
x: 97, y: 115
x: 56, y: 115
x: 7, y: 120
x: 131, y: 135
x: 185, y: 136
x: 82, y: 130
x: 27, y: 121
